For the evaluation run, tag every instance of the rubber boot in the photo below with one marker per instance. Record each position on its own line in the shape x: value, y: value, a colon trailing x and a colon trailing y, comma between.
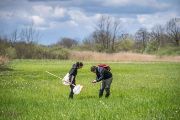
x: 71, y: 92
x: 100, y: 93
x: 71, y: 95
x: 107, y: 92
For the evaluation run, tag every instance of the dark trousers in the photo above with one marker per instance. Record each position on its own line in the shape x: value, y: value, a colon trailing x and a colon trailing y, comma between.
x: 71, y: 92
x: 105, y: 85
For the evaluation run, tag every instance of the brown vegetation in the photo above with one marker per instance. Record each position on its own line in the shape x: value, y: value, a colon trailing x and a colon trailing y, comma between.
x: 116, y: 57
x: 3, y: 60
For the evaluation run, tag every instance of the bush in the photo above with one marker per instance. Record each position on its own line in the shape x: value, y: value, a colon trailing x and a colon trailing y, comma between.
x: 57, y: 52
x: 125, y: 45
x: 4, y: 43
x: 169, y: 51
x: 151, y: 47
x: 11, y: 52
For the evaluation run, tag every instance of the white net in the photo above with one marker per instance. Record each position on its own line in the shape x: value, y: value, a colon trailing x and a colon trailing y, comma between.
x: 65, y: 80
x: 77, y: 89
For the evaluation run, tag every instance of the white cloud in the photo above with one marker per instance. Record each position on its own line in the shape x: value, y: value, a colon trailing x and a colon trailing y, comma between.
x: 49, y: 11
x: 80, y: 16
x: 117, y: 2
x: 149, y: 20
x: 59, y: 12
x: 44, y: 16
x: 42, y: 10
x: 150, y: 3
x: 37, y: 20
x: 77, y: 20
x: 72, y: 23
x: 77, y: 15
x: 82, y: 19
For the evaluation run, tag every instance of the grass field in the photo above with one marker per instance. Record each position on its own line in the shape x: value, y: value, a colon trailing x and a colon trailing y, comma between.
x: 140, y: 91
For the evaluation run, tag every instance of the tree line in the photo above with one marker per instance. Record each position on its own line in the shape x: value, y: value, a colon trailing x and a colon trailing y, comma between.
x: 23, y: 44
x: 108, y: 36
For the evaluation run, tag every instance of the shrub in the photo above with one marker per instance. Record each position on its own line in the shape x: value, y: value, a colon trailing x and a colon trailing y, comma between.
x: 169, y: 51
x: 151, y: 47
x: 11, y: 52
x: 126, y: 45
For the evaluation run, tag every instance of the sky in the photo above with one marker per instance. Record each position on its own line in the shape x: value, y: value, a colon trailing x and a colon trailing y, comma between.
x: 77, y: 19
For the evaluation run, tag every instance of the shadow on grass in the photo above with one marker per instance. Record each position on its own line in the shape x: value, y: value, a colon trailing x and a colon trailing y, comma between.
x: 5, y: 68
x: 87, y: 97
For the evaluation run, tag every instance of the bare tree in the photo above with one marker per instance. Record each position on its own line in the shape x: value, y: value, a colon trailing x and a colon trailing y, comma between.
x: 142, y: 38
x: 88, y: 44
x: 116, y: 28
x: 173, y: 30
x: 106, y: 33
x: 102, y: 32
x: 14, y: 37
x: 29, y: 34
x: 157, y: 34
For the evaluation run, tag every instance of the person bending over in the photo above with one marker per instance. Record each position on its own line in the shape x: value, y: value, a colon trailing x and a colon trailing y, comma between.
x: 72, y: 77
x: 104, y: 75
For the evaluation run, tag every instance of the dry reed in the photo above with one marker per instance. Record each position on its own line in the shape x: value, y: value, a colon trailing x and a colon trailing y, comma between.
x: 116, y: 57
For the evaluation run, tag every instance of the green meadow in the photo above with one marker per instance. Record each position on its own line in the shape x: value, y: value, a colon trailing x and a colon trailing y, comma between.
x: 139, y: 91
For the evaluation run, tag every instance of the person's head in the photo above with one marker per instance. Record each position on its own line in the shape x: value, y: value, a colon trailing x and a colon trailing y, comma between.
x: 93, y: 69
x: 79, y: 65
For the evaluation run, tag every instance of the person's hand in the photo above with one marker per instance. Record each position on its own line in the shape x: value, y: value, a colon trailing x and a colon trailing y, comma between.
x: 94, y: 81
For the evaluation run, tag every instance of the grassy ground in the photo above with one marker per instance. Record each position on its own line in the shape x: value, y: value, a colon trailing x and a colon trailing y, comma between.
x: 140, y: 91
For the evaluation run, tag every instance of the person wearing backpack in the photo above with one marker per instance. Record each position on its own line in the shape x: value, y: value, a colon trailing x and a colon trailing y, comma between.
x: 103, y: 74
x: 72, y: 76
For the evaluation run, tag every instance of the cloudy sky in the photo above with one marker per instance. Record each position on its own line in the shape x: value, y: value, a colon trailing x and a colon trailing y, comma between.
x: 76, y: 19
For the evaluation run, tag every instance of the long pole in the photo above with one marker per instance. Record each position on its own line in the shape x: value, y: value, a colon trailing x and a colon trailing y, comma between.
x: 53, y: 75
x: 59, y: 78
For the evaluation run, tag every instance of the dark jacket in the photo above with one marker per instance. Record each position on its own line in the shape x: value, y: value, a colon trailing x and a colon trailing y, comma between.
x: 102, y: 74
x: 73, y: 73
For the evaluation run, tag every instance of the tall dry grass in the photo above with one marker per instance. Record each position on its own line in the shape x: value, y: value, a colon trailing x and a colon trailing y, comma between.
x: 3, y: 60
x: 116, y: 57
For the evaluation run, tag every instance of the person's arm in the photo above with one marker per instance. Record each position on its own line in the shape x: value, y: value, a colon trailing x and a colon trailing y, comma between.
x: 101, y: 76
x: 72, y: 71
x: 97, y: 79
x: 71, y: 77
